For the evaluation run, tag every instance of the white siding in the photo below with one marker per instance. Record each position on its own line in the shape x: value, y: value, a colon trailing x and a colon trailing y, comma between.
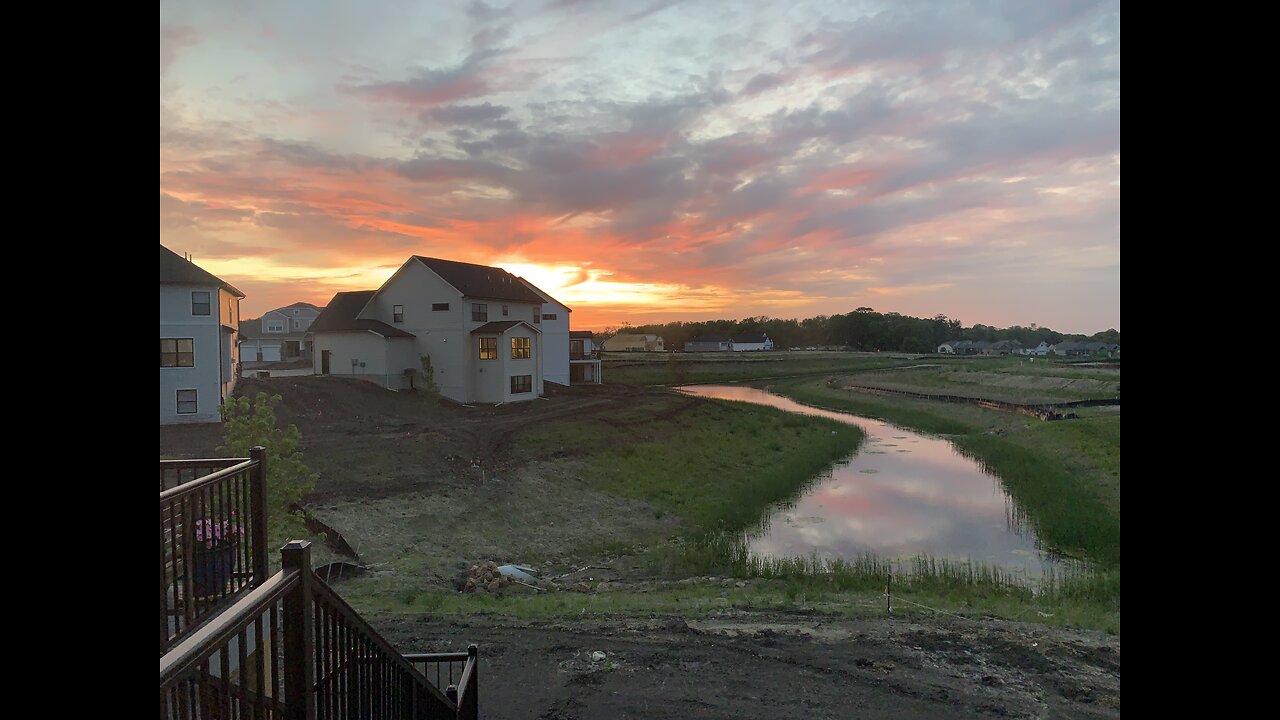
x: 444, y: 335
x: 176, y: 321
x: 555, y: 340
x: 366, y: 356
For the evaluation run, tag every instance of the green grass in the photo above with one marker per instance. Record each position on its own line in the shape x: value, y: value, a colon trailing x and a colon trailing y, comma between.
x: 716, y: 465
x: 682, y: 369
x: 816, y: 392
x: 831, y: 594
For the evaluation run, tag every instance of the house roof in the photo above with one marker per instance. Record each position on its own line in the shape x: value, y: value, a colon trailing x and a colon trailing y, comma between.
x: 299, y: 306
x: 746, y: 338
x: 708, y: 339
x: 581, y: 334
x: 481, y: 281
x: 251, y: 329
x: 177, y: 270
x: 341, y: 316
x: 498, y: 327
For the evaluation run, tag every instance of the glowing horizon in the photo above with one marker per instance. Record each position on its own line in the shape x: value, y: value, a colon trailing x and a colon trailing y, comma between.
x: 655, y: 163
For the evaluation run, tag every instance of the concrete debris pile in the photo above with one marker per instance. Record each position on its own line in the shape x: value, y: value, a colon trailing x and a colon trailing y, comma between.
x: 484, y: 577
x: 488, y: 576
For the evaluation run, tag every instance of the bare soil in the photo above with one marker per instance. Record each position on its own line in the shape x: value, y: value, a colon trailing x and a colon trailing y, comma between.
x: 400, y: 459
x: 777, y: 665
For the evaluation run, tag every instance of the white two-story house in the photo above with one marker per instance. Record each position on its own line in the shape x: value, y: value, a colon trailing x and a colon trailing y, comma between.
x: 555, y: 336
x: 199, y: 314
x: 481, y: 327
x: 280, y: 334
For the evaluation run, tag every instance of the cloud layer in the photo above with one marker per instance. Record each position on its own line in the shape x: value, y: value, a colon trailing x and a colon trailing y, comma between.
x: 678, y: 160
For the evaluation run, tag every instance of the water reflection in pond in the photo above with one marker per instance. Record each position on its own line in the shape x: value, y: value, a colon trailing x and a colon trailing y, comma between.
x: 903, y: 494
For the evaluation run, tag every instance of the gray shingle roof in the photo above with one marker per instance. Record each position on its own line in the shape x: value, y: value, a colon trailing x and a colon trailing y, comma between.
x: 481, y: 281
x: 177, y: 270
x: 340, y: 316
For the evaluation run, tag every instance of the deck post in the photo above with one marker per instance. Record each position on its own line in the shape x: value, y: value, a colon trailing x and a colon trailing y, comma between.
x: 258, y: 509
x: 299, y: 663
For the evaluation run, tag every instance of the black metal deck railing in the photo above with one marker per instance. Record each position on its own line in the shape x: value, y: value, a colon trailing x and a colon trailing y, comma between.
x: 213, y: 538
x: 291, y: 648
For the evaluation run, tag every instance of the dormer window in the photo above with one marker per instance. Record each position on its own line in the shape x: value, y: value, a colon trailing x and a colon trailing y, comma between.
x: 397, y: 313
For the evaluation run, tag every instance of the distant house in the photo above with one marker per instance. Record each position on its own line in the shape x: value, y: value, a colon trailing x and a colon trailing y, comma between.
x: 708, y: 344
x: 199, y: 317
x: 584, y: 357
x: 1042, y: 349
x: 634, y: 343
x: 280, y: 334
x: 966, y: 347
x: 479, y: 325
x: 1081, y: 349
x: 1006, y: 347
x: 751, y: 341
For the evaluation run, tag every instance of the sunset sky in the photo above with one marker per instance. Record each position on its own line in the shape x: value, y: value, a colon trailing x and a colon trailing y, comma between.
x: 650, y: 160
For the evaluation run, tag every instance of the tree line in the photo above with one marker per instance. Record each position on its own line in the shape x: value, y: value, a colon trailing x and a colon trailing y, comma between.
x: 862, y: 329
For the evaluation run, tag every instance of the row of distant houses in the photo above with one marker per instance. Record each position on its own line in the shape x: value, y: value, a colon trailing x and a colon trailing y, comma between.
x: 480, y: 333
x: 745, y: 342
x: 1014, y: 347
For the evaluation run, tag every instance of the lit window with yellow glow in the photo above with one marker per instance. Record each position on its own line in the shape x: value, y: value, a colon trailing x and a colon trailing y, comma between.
x: 519, y: 348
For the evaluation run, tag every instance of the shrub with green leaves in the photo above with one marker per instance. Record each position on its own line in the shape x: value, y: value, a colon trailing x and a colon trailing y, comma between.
x: 248, y: 423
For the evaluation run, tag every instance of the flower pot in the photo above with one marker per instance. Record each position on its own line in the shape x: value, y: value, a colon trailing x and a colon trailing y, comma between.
x: 211, y: 569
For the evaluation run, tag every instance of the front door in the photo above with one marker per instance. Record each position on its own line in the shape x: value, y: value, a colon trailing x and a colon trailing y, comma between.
x: 324, y: 362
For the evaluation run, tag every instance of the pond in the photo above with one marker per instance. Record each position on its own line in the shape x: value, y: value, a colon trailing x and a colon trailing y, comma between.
x: 902, y: 494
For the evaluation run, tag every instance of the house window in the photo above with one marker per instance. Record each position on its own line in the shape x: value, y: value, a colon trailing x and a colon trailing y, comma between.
x: 275, y: 326
x: 479, y: 312
x: 521, y: 384
x: 488, y: 348
x: 549, y: 316
x: 186, y: 402
x: 397, y: 313
x: 177, y: 352
x: 505, y: 310
x: 199, y: 303
x: 439, y: 307
x: 519, y: 348
x: 537, y: 313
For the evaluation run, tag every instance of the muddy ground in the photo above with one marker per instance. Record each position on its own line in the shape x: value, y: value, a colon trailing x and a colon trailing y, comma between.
x: 777, y: 665
x: 397, y: 459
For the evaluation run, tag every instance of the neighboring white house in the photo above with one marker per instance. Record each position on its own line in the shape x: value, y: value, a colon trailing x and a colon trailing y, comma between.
x: 555, y: 336
x: 199, y: 315
x: 752, y: 341
x: 634, y: 343
x: 480, y: 326
x: 708, y: 344
x: 584, y: 357
x: 280, y: 334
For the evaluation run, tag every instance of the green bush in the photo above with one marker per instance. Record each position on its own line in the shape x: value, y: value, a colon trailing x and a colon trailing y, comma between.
x: 249, y: 423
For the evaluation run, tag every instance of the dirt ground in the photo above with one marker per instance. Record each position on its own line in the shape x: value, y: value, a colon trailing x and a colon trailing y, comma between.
x: 777, y: 665
x: 396, y: 458
x: 397, y: 480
